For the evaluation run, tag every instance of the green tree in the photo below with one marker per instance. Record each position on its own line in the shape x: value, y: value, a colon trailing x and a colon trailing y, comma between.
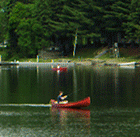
x: 78, y: 14
x: 115, y: 15
x: 42, y: 13
x: 16, y: 17
x: 132, y: 27
x: 26, y: 30
x: 2, y: 26
x: 40, y: 23
x: 4, y: 21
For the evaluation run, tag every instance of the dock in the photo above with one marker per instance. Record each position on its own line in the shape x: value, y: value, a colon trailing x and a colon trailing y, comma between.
x: 34, y: 63
x: 8, y: 63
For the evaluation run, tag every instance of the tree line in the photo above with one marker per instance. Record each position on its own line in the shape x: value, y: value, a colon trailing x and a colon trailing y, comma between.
x: 30, y: 25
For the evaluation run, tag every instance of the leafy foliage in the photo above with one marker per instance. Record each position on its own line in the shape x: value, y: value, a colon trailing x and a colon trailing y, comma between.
x: 30, y: 25
x: 3, y: 22
x: 132, y: 27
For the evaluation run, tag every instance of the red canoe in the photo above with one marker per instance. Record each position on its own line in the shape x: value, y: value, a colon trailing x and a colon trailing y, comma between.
x: 82, y: 103
x: 61, y: 69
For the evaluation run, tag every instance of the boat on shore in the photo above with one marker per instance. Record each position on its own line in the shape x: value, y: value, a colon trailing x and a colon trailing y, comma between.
x: 127, y: 64
x: 128, y: 67
x: 78, y: 104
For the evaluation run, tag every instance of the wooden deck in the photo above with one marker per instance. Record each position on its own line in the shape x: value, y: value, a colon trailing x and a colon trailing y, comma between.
x: 8, y: 63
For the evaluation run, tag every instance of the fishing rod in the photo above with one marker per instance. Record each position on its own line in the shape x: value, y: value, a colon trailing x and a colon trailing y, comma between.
x: 69, y: 94
x: 72, y: 93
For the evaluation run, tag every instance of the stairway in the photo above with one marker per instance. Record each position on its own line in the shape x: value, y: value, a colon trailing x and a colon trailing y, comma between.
x: 102, y: 53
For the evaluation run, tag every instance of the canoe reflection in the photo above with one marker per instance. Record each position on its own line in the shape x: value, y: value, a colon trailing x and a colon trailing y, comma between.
x: 80, y: 113
x: 68, y: 117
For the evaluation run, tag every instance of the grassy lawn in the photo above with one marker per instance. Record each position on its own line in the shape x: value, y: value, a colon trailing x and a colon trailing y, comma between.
x: 81, y: 54
x: 126, y: 55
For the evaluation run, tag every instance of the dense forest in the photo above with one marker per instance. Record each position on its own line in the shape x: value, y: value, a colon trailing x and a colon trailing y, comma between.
x: 30, y: 25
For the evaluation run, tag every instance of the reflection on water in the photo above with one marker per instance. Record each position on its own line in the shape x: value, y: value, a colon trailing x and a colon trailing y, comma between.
x: 115, y: 122
x: 38, y: 84
x: 74, y: 84
x: 24, y: 121
x: 46, y: 122
x: 114, y: 109
x: 71, y: 121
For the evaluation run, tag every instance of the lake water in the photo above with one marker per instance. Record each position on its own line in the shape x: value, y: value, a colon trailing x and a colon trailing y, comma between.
x: 114, y: 109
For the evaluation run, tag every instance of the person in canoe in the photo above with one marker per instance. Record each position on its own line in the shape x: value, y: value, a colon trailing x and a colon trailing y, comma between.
x: 61, y: 98
x: 58, y: 66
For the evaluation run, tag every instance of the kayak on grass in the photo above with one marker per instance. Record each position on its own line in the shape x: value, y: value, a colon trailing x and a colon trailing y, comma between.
x: 82, y: 103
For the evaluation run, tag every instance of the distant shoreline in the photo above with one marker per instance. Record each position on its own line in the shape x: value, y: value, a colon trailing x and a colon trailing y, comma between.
x: 85, y: 62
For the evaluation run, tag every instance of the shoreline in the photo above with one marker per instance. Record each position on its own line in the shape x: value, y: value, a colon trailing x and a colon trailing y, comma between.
x: 85, y: 62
